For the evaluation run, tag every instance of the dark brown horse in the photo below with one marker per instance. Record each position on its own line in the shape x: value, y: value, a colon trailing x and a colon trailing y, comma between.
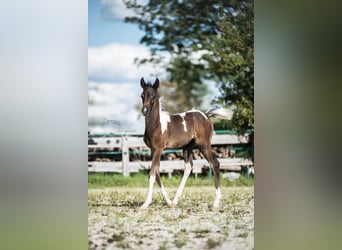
x: 184, y: 130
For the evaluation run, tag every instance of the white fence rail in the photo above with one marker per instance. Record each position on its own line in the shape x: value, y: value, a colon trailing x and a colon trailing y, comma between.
x: 125, y: 142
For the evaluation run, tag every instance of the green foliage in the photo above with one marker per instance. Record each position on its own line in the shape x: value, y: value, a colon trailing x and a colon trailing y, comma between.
x: 188, y: 77
x: 174, y: 100
x: 207, y: 40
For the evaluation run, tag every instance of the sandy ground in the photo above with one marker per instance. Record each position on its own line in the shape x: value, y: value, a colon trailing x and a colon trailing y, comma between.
x: 116, y: 222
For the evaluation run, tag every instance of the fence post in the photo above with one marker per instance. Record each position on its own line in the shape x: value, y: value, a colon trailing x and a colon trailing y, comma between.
x: 125, y: 156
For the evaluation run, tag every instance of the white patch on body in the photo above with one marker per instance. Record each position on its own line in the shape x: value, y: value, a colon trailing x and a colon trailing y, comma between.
x: 198, y: 112
x: 164, y: 117
x: 184, y: 122
x: 164, y: 120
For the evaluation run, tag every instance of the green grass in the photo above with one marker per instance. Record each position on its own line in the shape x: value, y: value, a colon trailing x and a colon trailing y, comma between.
x: 213, y: 243
x: 243, y: 235
x: 99, y: 180
x: 180, y: 241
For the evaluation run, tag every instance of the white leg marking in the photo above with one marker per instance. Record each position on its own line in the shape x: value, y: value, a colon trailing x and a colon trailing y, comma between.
x: 166, y: 197
x: 187, y: 171
x: 217, y: 198
x: 149, y: 195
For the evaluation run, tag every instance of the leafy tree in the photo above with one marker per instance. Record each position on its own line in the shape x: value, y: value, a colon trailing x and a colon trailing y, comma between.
x: 207, y: 40
x: 189, y: 82
x: 173, y: 98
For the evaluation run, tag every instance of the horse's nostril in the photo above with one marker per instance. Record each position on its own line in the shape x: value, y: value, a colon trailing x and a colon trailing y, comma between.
x: 144, y: 110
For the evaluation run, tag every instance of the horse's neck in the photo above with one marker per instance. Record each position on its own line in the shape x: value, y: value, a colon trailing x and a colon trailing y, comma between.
x: 153, y: 120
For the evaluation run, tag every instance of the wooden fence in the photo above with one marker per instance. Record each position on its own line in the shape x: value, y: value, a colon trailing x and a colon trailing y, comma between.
x: 126, y: 142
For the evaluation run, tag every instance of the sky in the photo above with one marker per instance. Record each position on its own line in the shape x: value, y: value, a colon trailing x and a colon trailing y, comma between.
x: 106, y: 26
x: 113, y: 78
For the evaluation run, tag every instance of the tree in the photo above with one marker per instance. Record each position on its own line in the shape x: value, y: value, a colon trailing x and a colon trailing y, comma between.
x: 207, y: 40
x: 174, y: 99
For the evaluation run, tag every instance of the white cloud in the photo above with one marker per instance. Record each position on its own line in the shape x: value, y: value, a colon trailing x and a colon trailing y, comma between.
x: 113, y: 107
x: 196, y: 57
x: 114, y: 86
x: 115, y: 63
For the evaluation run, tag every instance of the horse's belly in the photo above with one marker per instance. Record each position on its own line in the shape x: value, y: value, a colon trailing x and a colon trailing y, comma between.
x: 173, y: 143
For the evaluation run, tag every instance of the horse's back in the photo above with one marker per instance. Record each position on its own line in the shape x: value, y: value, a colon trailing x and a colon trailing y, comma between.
x: 181, y: 129
x: 202, y: 126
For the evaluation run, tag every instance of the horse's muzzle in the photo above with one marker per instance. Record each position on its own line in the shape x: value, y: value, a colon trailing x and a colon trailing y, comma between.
x: 145, y: 111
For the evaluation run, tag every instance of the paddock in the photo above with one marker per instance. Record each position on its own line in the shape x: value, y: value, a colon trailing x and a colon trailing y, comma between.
x: 116, y: 222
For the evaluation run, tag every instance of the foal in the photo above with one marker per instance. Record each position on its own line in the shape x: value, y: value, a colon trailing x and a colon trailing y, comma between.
x: 184, y: 130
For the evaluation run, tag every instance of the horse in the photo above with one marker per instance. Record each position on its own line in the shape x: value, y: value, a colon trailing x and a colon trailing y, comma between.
x: 184, y: 130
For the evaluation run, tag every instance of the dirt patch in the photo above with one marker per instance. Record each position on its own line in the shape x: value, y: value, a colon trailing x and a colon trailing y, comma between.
x: 116, y: 222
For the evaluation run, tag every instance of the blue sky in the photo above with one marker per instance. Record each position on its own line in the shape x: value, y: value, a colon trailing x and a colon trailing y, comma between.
x: 102, y: 31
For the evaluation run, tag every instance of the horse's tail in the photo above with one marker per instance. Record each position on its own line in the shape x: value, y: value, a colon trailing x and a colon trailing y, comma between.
x: 219, y: 112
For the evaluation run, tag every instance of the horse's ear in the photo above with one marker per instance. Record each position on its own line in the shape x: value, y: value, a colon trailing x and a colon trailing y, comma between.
x: 142, y: 82
x: 156, y: 83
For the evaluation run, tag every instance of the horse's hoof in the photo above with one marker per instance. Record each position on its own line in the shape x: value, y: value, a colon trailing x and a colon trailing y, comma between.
x: 216, y: 207
x: 173, y: 205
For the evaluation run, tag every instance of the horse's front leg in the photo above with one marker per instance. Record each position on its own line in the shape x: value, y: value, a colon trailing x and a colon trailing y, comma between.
x: 153, y: 172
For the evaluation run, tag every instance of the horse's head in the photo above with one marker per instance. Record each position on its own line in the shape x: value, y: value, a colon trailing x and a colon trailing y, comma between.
x: 149, y: 95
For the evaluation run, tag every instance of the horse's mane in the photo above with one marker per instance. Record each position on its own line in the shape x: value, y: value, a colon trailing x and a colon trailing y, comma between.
x: 162, y: 105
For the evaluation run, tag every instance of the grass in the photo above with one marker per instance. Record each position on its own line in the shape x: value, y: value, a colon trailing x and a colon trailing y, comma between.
x: 200, y: 233
x: 117, y: 237
x: 242, y: 235
x: 180, y: 242
x: 213, y: 243
x: 101, y: 180
x: 181, y: 239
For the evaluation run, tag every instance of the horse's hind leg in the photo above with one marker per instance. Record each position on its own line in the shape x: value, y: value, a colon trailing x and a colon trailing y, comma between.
x: 187, y: 154
x: 215, y: 166
x: 166, y: 197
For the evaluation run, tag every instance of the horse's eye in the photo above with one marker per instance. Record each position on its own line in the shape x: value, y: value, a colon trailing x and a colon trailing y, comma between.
x: 142, y: 96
